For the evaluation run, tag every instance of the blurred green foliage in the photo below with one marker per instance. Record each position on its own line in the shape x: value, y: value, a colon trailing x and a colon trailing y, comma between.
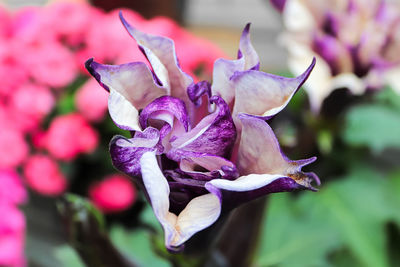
x: 375, y: 126
x: 350, y: 221
x: 346, y: 216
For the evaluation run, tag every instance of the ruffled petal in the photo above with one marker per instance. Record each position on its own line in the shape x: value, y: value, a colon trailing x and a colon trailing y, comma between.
x: 246, y: 50
x: 131, y: 86
x: 199, y: 213
x: 125, y: 153
x: 215, y: 134
x: 222, y: 72
x: 263, y: 94
x: 160, y: 51
x: 197, y: 90
x: 165, y: 108
x: 122, y: 112
x: 224, y: 69
x: 207, y: 167
x: 260, y: 153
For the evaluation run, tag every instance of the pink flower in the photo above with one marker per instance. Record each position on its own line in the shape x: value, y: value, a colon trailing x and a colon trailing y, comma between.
x: 105, y: 41
x: 205, y: 56
x: 115, y: 193
x: 70, y: 135
x: 27, y: 25
x: 91, y: 102
x: 12, y: 222
x: 43, y: 175
x: 4, y: 22
x: 12, y: 190
x: 33, y: 101
x: 12, y: 236
x: 13, y: 148
x: 50, y: 63
x: 69, y: 21
x: 12, y: 73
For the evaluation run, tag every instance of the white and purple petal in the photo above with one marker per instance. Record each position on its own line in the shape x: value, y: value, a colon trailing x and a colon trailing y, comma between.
x: 126, y: 153
x: 131, y: 86
x: 260, y: 153
x: 200, y: 212
x: 250, y: 187
x: 222, y: 72
x: 263, y: 94
x: 160, y: 51
x: 165, y: 108
x: 215, y: 134
x: 206, y: 166
x: 247, y: 51
x: 197, y: 90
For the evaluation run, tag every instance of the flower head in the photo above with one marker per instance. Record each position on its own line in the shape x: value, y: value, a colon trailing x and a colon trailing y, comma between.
x: 116, y: 185
x: 190, y: 171
x: 43, y: 175
x: 355, y: 42
x: 69, y: 135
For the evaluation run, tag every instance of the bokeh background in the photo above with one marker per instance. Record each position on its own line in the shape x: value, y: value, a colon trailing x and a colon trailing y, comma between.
x: 55, y: 129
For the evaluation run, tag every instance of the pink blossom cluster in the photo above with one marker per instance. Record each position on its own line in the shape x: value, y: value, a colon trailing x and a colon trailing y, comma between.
x: 42, y: 51
x: 12, y: 221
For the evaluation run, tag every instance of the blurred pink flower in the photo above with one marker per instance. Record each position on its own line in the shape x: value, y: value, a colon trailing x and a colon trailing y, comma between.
x: 12, y: 190
x: 105, y: 40
x: 91, y: 102
x: 50, y: 63
x: 12, y: 222
x: 13, y: 148
x: 115, y: 193
x: 5, y: 21
x: 206, y: 53
x: 12, y: 236
x: 77, y: 16
x: 43, y: 175
x: 12, y: 73
x: 27, y: 25
x: 33, y: 101
x: 70, y: 135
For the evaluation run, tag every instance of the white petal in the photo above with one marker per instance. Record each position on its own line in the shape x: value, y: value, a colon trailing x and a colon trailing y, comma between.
x: 158, y: 191
x: 245, y: 183
x: 122, y: 112
x: 200, y: 213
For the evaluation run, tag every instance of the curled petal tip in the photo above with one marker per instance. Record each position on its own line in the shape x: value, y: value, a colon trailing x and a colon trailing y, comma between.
x: 88, y: 62
x: 278, y: 4
x: 309, y: 69
x: 314, y: 177
x: 88, y: 65
x: 127, y: 26
x: 247, y: 28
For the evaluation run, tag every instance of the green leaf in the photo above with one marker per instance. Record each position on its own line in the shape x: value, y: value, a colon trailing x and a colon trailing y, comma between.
x: 137, y: 245
x: 388, y: 97
x: 344, y: 222
x: 374, y: 126
x: 147, y: 216
x: 68, y: 256
x: 292, y: 236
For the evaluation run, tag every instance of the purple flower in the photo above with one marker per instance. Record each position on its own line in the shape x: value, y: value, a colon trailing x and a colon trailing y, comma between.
x: 356, y: 44
x: 193, y: 169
